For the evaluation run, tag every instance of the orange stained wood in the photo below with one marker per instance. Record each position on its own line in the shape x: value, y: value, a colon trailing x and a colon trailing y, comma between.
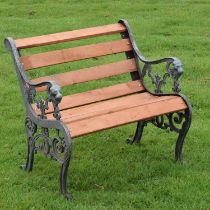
x: 109, y: 106
x: 113, y: 116
x: 69, y: 36
x: 75, y: 54
x: 96, y: 95
x: 89, y: 74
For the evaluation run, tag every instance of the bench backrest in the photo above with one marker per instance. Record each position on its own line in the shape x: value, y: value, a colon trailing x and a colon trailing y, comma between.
x: 122, y: 45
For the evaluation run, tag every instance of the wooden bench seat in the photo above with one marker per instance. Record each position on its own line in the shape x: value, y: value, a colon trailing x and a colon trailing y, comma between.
x: 73, y: 115
x: 118, y: 111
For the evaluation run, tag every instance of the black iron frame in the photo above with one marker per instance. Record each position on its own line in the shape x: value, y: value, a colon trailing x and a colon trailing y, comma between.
x: 59, y: 147
x: 174, y: 70
x: 51, y: 147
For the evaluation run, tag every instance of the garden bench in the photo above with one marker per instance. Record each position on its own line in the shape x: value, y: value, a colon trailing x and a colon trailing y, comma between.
x: 94, y: 110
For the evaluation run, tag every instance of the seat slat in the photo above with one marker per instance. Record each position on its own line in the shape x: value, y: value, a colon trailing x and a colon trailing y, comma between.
x: 75, y: 54
x: 96, y: 95
x: 125, y: 116
x: 89, y: 74
x: 69, y: 36
x: 110, y: 106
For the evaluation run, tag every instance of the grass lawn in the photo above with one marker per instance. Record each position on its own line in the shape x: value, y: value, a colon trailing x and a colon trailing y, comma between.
x: 105, y: 172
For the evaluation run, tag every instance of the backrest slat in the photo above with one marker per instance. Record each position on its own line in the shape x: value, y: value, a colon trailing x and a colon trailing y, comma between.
x: 69, y: 36
x: 75, y: 54
x: 58, y: 55
x: 89, y: 74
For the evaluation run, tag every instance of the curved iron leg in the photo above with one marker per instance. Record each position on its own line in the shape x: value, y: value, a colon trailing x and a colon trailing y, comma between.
x: 63, y: 180
x: 64, y: 171
x: 30, y: 157
x: 31, y: 146
x: 182, y: 134
x: 31, y: 129
x: 138, y: 134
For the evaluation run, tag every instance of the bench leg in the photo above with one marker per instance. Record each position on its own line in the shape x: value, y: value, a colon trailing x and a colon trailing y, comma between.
x: 178, y: 122
x: 138, y: 133
x: 66, y: 145
x: 30, y: 156
x: 182, y: 134
x: 57, y: 147
x: 63, y: 179
x: 61, y: 151
x: 31, y: 129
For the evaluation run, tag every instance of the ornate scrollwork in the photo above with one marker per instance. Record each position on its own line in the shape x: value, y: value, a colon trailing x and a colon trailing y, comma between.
x: 173, y: 69
x: 54, y: 147
x: 41, y: 104
x: 59, y: 147
x: 172, y: 121
x: 30, y: 126
x: 54, y: 96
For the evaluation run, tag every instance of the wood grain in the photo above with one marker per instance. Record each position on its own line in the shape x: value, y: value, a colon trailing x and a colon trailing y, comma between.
x: 75, y: 54
x: 125, y: 116
x: 110, y: 106
x: 96, y: 95
x: 69, y: 36
x: 89, y: 74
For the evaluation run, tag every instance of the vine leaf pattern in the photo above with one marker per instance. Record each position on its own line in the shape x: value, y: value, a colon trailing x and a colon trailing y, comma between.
x: 54, y: 97
x: 173, y: 69
x: 52, y: 147
x: 171, y: 121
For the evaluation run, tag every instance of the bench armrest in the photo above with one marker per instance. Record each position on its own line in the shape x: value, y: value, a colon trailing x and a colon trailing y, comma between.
x: 28, y: 88
x: 53, y: 95
x: 174, y: 70
x: 174, y: 67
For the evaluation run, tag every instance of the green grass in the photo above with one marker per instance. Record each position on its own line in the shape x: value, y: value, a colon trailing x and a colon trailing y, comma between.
x: 105, y: 173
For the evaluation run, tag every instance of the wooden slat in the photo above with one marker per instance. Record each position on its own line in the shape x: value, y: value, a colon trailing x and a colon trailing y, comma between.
x: 69, y: 36
x: 109, y: 106
x: 75, y: 54
x: 89, y: 74
x: 101, y: 94
x: 102, y: 107
x: 109, y: 120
